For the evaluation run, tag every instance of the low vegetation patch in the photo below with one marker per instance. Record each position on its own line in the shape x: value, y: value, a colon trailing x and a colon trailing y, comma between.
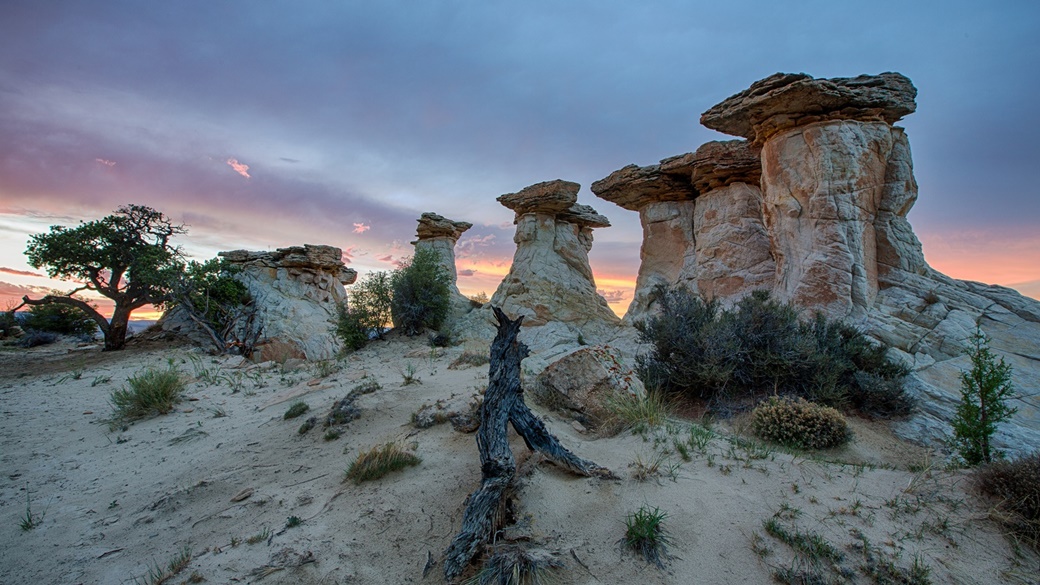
x: 296, y: 409
x: 798, y: 423
x: 379, y: 461
x: 637, y: 413
x: 646, y: 536
x: 470, y: 358
x: 514, y: 564
x: 151, y: 392
x: 1015, y: 485
x: 760, y: 347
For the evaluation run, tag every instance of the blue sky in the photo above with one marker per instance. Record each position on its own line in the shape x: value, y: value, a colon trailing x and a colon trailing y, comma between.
x: 278, y: 123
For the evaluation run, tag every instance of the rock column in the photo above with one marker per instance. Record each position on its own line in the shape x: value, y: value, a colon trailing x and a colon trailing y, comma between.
x: 827, y: 145
x: 440, y: 234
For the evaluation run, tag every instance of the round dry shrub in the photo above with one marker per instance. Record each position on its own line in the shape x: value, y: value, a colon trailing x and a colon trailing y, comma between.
x: 799, y: 423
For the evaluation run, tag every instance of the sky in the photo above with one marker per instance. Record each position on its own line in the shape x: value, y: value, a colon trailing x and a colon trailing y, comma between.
x: 267, y: 124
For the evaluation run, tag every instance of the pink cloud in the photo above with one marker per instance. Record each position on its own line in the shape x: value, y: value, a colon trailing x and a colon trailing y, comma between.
x: 360, y: 228
x: 240, y: 168
x: 468, y: 246
x: 467, y: 272
x: 106, y: 162
x: 387, y: 258
x: 613, y: 296
x: 7, y: 270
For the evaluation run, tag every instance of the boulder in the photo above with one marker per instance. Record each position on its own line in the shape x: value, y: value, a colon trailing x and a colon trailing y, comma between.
x: 297, y: 290
x: 581, y: 383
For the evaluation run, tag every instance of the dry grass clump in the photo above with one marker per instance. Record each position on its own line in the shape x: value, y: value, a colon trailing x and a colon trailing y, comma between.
x: 379, y: 461
x: 469, y: 359
x: 513, y: 564
x: 799, y: 423
x: 1016, y: 486
x: 296, y: 409
x: 636, y: 413
x: 150, y: 392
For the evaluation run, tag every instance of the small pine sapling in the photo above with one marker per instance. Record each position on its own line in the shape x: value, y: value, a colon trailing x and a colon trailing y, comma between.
x: 985, y: 390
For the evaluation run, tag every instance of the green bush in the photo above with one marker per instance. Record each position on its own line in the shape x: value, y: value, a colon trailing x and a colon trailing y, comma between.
x: 1016, y: 487
x: 422, y: 293
x: 761, y: 347
x: 646, y: 536
x: 368, y: 310
x: 59, y: 318
x: 798, y: 423
x: 151, y: 392
x: 984, y: 393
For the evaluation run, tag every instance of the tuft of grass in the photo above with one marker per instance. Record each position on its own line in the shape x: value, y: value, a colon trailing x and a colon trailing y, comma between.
x: 297, y: 409
x: 810, y: 544
x: 30, y: 520
x: 1015, y: 485
x: 332, y: 434
x: 646, y: 536
x: 379, y: 461
x: 469, y: 359
x: 151, y: 392
x: 408, y: 375
x: 512, y: 564
x: 99, y: 380
x: 259, y: 536
x: 325, y: 368
x: 644, y: 470
x: 366, y: 387
x: 158, y: 575
x: 637, y: 413
x: 293, y: 521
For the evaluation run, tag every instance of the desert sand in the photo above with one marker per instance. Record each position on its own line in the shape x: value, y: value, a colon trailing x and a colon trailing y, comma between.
x: 222, y: 474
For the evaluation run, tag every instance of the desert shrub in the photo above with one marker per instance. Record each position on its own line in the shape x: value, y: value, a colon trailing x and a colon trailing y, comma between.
x: 515, y: 564
x: 759, y: 347
x: 798, y: 423
x: 151, y: 392
x: 8, y: 322
x: 422, y: 293
x: 379, y: 461
x: 470, y: 358
x: 367, y: 313
x: 1016, y: 487
x: 59, y: 318
x: 37, y: 338
x: 985, y: 390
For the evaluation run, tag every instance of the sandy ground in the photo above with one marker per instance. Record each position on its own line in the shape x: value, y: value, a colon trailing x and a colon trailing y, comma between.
x: 115, y: 504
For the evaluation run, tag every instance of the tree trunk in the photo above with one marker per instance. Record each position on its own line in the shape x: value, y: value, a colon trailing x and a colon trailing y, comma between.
x: 504, y: 403
x: 115, y: 337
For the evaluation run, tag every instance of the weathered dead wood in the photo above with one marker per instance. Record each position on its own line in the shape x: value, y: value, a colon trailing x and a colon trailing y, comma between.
x: 504, y: 404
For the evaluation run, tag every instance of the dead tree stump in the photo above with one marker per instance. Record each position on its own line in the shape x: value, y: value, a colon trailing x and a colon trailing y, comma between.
x: 504, y: 404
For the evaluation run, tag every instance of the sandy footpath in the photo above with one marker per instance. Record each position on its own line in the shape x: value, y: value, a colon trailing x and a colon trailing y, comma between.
x: 221, y: 476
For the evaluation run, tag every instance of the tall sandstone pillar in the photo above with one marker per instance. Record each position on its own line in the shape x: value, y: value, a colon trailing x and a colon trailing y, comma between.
x: 836, y: 180
x: 437, y: 233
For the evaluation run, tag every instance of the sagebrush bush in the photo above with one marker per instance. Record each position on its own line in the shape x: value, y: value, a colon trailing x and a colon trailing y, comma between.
x: 761, y: 347
x: 799, y: 423
x: 1015, y: 485
x: 422, y: 293
x: 37, y: 338
x: 151, y: 392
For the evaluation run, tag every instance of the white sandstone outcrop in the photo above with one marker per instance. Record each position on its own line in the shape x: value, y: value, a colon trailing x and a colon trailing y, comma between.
x: 297, y: 290
x: 437, y: 233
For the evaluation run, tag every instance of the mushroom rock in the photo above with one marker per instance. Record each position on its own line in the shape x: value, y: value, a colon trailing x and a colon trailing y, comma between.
x: 665, y: 204
x: 837, y: 184
x: 298, y: 290
x: 440, y: 234
x: 550, y: 281
x: 826, y: 148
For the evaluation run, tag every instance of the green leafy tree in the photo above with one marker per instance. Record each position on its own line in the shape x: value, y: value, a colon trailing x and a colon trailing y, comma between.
x: 126, y: 256
x: 985, y: 389
x: 368, y: 310
x: 422, y: 293
x: 211, y: 297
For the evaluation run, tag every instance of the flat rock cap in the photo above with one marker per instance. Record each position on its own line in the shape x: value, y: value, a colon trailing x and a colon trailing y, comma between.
x: 633, y: 187
x: 432, y: 225
x: 721, y: 162
x: 559, y: 198
x: 787, y: 100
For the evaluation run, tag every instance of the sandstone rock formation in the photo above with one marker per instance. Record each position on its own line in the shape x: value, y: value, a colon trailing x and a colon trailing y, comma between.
x: 437, y: 233
x: 826, y: 229
x: 702, y: 222
x: 550, y: 282
x: 298, y: 290
x: 582, y: 382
